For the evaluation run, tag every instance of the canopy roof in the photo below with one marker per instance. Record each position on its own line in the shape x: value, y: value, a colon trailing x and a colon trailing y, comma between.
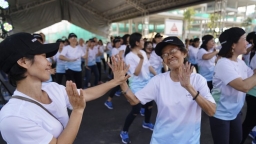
x: 92, y: 15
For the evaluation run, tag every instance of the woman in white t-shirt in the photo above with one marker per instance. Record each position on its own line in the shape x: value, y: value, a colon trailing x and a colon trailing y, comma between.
x: 246, y: 56
x: 139, y: 70
x: 22, y: 121
x: 72, y: 55
x: 206, y: 57
x: 90, y: 63
x: 60, y: 65
x: 232, y: 79
x: 192, y: 53
x: 180, y: 96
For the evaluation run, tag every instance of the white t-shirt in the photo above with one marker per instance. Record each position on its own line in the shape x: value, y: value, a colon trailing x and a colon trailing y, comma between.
x: 192, y: 54
x: 92, y: 56
x: 156, y: 62
x: 22, y: 122
x: 109, y: 46
x: 229, y: 100
x: 115, y: 51
x: 137, y: 82
x: 205, y: 67
x: 60, y: 64
x: 179, y: 116
x: 123, y: 48
x: 83, y: 47
x: 73, y: 53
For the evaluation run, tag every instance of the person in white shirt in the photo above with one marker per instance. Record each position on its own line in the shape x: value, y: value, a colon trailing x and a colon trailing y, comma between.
x: 139, y: 70
x: 60, y: 65
x: 102, y: 47
x: 115, y: 51
x: 108, y: 50
x: 192, y: 52
x: 22, y: 119
x: 72, y: 54
x: 232, y: 79
x: 157, y: 39
x: 206, y: 57
x: 249, y: 39
x: 125, y: 44
x: 180, y: 96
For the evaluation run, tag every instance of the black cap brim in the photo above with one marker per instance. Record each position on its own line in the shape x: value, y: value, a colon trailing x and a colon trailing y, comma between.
x: 160, y: 46
x: 49, y: 49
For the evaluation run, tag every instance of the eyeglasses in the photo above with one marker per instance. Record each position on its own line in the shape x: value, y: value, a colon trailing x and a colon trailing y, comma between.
x: 172, y: 52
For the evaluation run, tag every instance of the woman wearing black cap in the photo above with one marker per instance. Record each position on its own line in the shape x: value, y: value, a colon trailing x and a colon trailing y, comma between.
x: 231, y: 80
x: 179, y: 94
x: 206, y: 59
x: 72, y: 54
x: 60, y: 65
x: 37, y: 112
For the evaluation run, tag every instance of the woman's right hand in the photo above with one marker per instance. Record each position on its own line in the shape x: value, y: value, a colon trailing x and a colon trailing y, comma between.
x: 140, y: 56
x: 76, y: 100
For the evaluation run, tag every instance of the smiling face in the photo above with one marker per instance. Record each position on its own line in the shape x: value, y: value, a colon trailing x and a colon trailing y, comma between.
x: 210, y: 44
x: 240, y: 46
x: 173, y: 57
x: 38, y: 69
x: 149, y: 48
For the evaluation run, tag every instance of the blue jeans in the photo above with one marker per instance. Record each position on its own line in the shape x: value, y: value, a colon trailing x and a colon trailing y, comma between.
x: 94, y: 70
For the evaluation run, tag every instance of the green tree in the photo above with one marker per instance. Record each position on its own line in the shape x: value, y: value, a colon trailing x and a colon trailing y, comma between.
x: 213, y: 23
x: 188, y: 18
x: 247, y: 23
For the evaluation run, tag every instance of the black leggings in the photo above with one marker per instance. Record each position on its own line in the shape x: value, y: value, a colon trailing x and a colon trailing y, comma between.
x: 250, y: 119
x: 196, y: 67
x: 135, y: 111
x: 104, y: 64
x: 210, y: 86
x: 99, y: 69
x: 59, y: 77
x: 113, y: 91
x: 109, y: 69
x: 226, y: 131
x: 75, y: 77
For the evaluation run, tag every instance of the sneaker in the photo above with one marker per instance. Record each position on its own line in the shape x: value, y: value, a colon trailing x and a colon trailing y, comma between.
x: 118, y: 93
x: 252, y: 134
x: 108, y: 104
x: 148, y: 126
x: 125, y: 137
x: 142, y: 112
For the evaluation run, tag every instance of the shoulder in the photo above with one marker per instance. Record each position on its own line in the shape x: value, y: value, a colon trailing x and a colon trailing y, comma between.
x: 197, y: 78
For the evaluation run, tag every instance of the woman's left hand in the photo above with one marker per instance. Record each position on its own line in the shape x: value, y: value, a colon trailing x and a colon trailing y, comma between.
x: 184, y: 74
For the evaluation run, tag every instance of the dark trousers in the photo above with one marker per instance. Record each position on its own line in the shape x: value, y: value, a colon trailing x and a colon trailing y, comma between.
x: 59, y: 77
x: 135, y: 111
x: 94, y: 70
x: 104, y: 64
x: 75, y: 77
x: 113, y: 91
x: 99, y: 69
x: 210, y: 86
x: 250, y: 119
x: 196, y: 67
x: 226, y: 131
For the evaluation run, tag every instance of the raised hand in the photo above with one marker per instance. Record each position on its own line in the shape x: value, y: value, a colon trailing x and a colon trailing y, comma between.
x: 119, y: 69
x: 76, y: 100
x: 184, y: 74
x: 140, y: 56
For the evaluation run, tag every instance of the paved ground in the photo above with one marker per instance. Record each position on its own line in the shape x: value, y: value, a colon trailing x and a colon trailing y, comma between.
x: 102, y: 126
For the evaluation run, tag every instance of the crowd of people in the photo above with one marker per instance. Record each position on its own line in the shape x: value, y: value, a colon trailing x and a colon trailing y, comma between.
x: 182, y: 80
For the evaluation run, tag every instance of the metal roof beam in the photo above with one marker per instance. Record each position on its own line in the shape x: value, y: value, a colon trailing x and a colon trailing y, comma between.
x: 137, y: 4
x: 87, y: 2
x: 29, y: 6
x: 89, y: 9
x: 114, y: 9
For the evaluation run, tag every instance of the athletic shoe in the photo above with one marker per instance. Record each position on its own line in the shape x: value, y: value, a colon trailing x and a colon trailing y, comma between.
x: 108, y: 104
x: 148, y: 126
x: 125, y: 137
x: 142, y: 111
x: 252, y: 134
x: 118, y: 93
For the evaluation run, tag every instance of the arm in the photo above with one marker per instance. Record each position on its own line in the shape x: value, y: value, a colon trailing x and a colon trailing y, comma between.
x: 99, y: 53
x: 133, y: 100
x: 61, y: 57
x: 249, y: 49
x: 209, y: 55
x: 243, y: 85
x: 138, y: 68
x: 208, y: 107
x: 152, y: 70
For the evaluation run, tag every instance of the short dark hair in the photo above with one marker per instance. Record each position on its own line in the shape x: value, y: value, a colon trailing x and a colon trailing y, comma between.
x: 125, y: 39
x: 17, y: 73
x: 135, y: 37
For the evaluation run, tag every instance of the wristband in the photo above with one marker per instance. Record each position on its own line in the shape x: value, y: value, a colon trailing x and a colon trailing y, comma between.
x: 124, y: 92
x: 196, y: 95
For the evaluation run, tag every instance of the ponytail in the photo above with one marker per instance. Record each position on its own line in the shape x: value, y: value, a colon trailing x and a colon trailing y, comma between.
x: 127, y: 50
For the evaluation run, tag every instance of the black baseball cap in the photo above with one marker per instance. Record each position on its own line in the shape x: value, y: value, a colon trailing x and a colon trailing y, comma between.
x: 91, y: 40
x: 38, y: 36
x: 60, y: 41
x: 228, y: 38
x: 173, y: 40
x: 116, y: 40
x: 19, y: 45
x: 72, y: 35
x: 158, y: 35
